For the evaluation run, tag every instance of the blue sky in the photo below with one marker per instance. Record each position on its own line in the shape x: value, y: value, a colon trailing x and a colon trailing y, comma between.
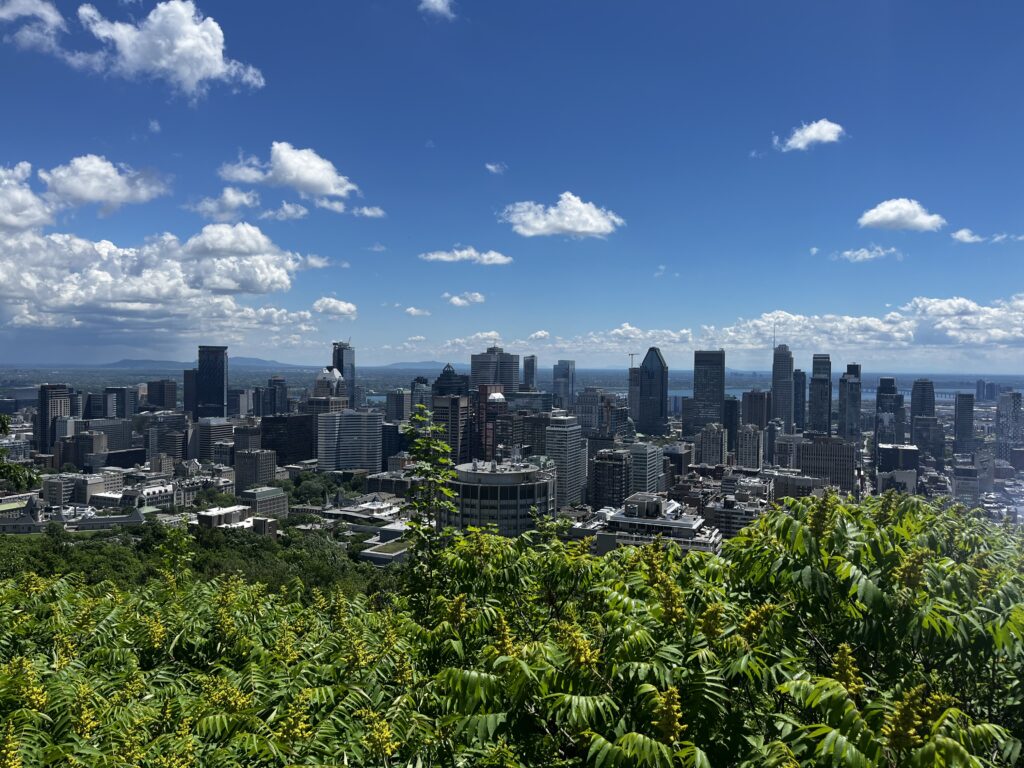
x: 679, y: 174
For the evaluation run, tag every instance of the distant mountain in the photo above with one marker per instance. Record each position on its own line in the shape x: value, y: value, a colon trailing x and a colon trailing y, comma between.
x: 423, y: 365
x: 169, y: 365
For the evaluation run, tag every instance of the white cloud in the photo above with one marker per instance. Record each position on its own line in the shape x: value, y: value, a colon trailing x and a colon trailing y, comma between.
x: 228, y: 206
x: 154, y: 126
x: 465, y: 299
x: 496, y: 168
x: 287, y: 212
x: 303, y: 170
x: 378, y: 248
x: 1001, y: 237
x: 857, y: 255
x: 442, y: 8
x: 470, y: 254
x: 94, y: 179
x: 417, y: 312
x: 326, y: 305
x: 814, y: 251
x: 40, y: 10
x: 570, y: 216
x: 808, y: 134
x: 416, y: 339
x: 20, y: 207
x: 369, y: 212
x: 475, y: 342
x: 660, y: 271
x: 901, y: 213
x: 173, y: 43
x: 967, y: 236
x: 538, y: 336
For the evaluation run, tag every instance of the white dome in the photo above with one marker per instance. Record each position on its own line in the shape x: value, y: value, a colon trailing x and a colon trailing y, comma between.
x: 495, y: 397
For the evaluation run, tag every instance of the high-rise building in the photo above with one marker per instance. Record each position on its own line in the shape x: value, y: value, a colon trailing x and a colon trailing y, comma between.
x: 350, y: 439
x: 277, y: 386
x: 54, y: 402
x: 162, y: 394
x: 495, y: 366
x: 633, y: 396
x: 247, y: 437
x: 652, y: 394
x: 757, y: 408
x: 566, y: 446
x: 821, y: 395
x: 506, y: 496
x: 564, y: 384
x: 343, y: 358
x: 963, y: 423
x: 190, y: 392
x: 610, y: 477
x: 922, y: 399
x: 1009, y: 424
x: 890, y: 414
x: 750, y: 447
x: 799, y: 400
x: 211, y: 430
x: 928, y: 435
x: 849, y: 403
x: 731, y: 421
x: 454, y: 413
x: 212, y: 382
x: 530, y: 373
x: 290, y: 436
x: 123, y: 402
x: 782, y: 386
x: 647, y: 466
x: 450, y: 382
x: 254, y: 468
x: 832, y: 459
x: 979, y: 390
x: 708, y: 386
x: 398, y: 405
x: 710, y: 445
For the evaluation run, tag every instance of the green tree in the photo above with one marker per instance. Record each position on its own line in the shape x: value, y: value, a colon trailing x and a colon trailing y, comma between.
x: 13, y: 477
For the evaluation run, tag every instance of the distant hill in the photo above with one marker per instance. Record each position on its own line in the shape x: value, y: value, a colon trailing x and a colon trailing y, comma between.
x: 233, y: 362
x: 423, y: 365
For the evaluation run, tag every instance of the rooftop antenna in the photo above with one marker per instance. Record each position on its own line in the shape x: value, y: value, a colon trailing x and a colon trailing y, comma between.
x: 632, y: 359
x: 774, y: 322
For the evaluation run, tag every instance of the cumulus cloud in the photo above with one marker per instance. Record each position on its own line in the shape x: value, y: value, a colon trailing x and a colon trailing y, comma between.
x: 94, y: 179
x: 465, y: 299
x: 377, y: 248
x: 470, y: 254
x: 417, y: 312
x: 901, y: 213
x: 857, y: 255
x: 327, y: 305
x: 228, y: 206
x: 41, y: 11
x: 175, y: 43
x: 154, y: 126
x: 538, y: 336
x: 808, y: 134
x: 20, y: 207
x: 475, y: 342
x: 496, y: 168
x: 416, y: 339
x: 967, y: 236
x: 287, y: 212
x: 369, y: 212
x: 442, y: 8
x: 570, y: 216
x: 303, y: 170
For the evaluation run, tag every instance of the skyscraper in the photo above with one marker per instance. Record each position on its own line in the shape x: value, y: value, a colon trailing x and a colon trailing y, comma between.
x: 254, y: 468
x: 54, y: 402
x: 782, y: 386
x: 963, y: 423
x: 849, y: 403
x: 454, y: 413
x: 799, y: 400
x: 450, y: 382
x: 731, y: 421
x: 890, y: 414
x: 189, y: 393
x: 757, y: 408
x: 922, y: 399
x: 567, y: 447
x: 711, y: 444
x: 495, y: 366
x: 652, y: 394
x: 708, y: 386
x: 821, y: 395
x: 564, y: 384
x: 750, y: 447
x: 162, y: 394
x: 647, y: 467
x: 212, y: 382
x: 1009, y: 423
x: 530, y: 373
x: 343, y: 357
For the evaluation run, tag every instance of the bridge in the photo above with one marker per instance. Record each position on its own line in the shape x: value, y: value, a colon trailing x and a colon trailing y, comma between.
x: 873, y: 391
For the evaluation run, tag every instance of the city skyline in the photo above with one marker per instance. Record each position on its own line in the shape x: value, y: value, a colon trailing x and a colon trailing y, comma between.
x: 439, y: 195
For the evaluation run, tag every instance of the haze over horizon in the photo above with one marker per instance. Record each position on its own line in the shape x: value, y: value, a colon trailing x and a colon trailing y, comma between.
x: 566, y: 179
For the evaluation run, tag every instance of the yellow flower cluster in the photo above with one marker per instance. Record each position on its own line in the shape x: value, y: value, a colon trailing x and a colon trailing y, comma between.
x: 26, y: 685
x: 223, y: 695
x: 901, y: 724
x: 296, y: 721
x: 576, y: 644
x: 711, y: 621
x: 156, y: 632
x: 378, y: 738
x: 756, y: 620
x: 668, y: 718
x: 86, y: 721
x: 844, y: 670
x: 10, y: 749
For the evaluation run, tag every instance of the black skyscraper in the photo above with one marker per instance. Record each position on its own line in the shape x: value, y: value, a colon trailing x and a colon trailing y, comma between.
x: 799, y: 400
x: 652, y: 394
x: 212, y: 382
x: 344, y: 359
x: 820, y: 412
x: 922, y: 399
x: 708, y: 386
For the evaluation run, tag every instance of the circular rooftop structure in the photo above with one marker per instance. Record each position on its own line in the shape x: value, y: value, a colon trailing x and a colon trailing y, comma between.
x: 495, y: 397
